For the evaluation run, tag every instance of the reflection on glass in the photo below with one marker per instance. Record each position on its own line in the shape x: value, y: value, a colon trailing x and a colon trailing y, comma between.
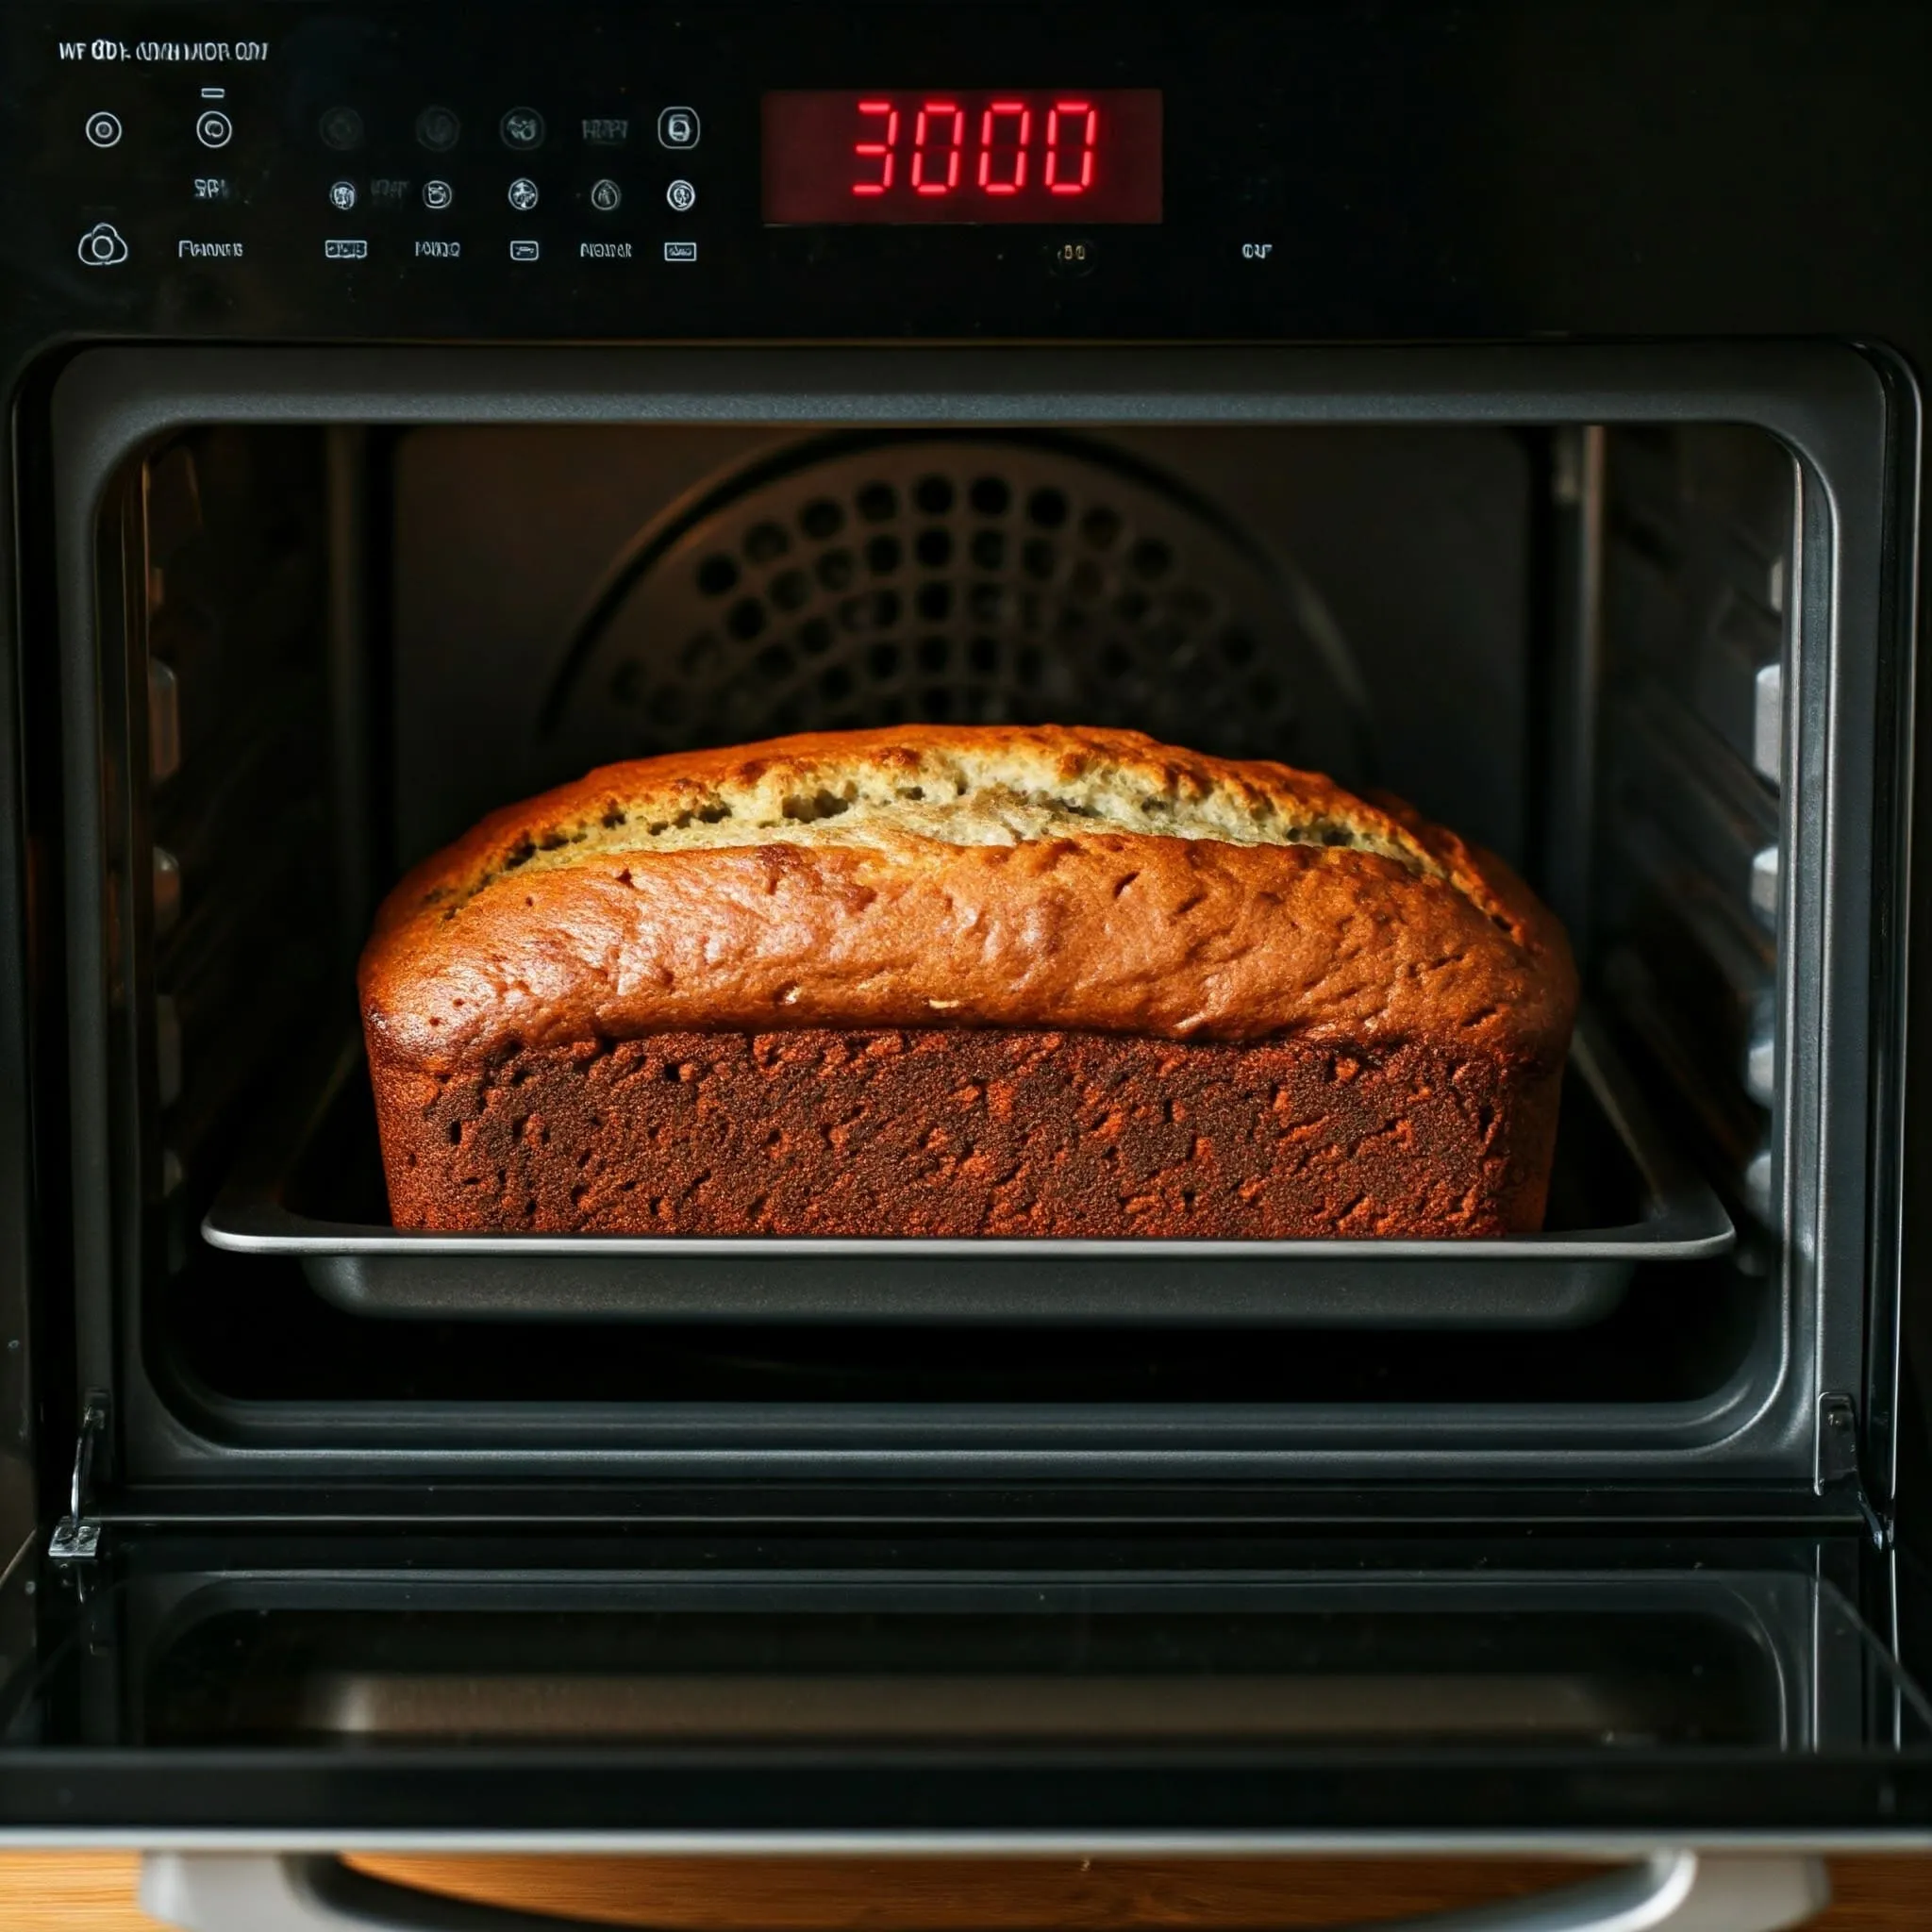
x: 656, y: 1677
x: 346, y: 1655
x: 723, y: 1708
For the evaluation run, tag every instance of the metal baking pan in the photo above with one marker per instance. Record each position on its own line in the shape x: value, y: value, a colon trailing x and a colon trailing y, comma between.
x: 1617, y: 1199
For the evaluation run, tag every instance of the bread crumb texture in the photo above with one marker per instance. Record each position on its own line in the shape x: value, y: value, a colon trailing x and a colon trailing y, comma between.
x: 983, y: 877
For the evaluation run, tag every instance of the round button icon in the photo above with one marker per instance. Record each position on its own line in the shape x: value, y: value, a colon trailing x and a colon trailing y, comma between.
x: 679, y: 127
x: 523, y: 194
x: 439, y: 130
x: 606, y: 196
x: 102, y: 246
x: 103, y: 129
x: 342, y: 130
x: 214, y: 129
x: 682, y: 196
x: 437, y: 195
x: 343, y: 195
x: 521, y: 128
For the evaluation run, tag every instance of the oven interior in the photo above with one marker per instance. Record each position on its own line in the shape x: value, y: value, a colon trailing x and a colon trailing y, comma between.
x: 325, y: 648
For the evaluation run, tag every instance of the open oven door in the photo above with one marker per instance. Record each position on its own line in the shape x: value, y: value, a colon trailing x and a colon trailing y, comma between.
x: 831, y: 1678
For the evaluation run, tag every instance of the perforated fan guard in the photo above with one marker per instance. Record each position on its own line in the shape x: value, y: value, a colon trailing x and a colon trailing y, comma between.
x: 852, y: 582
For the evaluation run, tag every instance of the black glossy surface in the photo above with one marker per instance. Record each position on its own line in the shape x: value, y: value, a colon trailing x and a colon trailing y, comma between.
x: 974, y: 1672
x: 785, y: 1676
x: 1483, y: 170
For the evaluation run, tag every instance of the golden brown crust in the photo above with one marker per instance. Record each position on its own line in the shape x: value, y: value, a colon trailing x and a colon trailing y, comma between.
x: 614, y: 908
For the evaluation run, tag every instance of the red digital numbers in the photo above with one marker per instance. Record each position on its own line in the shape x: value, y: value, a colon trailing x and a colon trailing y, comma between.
x: 1069, y: 154
x: 937, y: 135
x: 879, y: 150
x: 1006, y: 132
x: 1039, y: 155
x: 1063, y: 163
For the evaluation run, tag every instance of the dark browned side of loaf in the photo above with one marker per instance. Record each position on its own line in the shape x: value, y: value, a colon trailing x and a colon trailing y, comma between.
x: 958, y: 1133
x: 1184, y: 997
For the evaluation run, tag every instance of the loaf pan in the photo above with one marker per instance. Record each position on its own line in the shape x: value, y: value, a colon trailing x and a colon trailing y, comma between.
x: 1618, y: 1199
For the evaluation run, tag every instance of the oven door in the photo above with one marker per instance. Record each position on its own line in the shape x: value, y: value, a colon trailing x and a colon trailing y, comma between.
x: 1002, y: 1671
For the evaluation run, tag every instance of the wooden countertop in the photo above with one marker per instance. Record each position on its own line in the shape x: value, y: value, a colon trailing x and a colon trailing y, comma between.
x: 49, y: 1891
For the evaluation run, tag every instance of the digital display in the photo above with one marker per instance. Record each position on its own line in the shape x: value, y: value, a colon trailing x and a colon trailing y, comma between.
x: 1062, y: 154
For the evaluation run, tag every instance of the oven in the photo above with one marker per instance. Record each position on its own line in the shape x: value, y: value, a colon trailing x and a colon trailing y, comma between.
x: 414, y: 407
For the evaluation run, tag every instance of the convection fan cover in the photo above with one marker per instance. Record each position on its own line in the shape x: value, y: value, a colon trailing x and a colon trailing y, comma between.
x: 963, y: 578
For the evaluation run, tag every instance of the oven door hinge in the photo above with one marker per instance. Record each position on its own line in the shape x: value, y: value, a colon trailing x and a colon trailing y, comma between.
x: 77, y: 1537
x: 1838, y: 1474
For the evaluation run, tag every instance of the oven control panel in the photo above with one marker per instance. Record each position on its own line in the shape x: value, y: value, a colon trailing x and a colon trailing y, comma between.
x: 728, y: 171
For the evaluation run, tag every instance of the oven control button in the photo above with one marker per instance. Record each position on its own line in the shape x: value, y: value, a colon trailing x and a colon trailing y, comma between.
x: 523, y: 194
x: 682, y: 196
x: 439, y: 130
x: 342, y: 130
x: 680, y: 251
x: 606, y: 197
x: 437, y: 195
x: 102, y: 246
x: 103, y: 129
x: 214, y: 129
x: 526, y: 251
x: 343, y: 195
x: 1072, y: 257
x: 346, y: 248
x: 521, y: 128
x: 679, y: 127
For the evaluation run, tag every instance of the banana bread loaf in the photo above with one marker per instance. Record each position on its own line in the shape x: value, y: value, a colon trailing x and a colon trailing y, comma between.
x: 991, y: 980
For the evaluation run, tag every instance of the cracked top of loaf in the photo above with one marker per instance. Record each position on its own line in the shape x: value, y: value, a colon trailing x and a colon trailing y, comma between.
x: 990, y: 876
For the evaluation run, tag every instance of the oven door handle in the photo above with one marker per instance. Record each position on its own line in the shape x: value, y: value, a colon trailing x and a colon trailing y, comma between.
x: 1670, y: 1892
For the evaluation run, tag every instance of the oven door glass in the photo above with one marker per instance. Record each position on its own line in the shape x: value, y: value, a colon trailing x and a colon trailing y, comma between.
x: 1074, y: 1684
